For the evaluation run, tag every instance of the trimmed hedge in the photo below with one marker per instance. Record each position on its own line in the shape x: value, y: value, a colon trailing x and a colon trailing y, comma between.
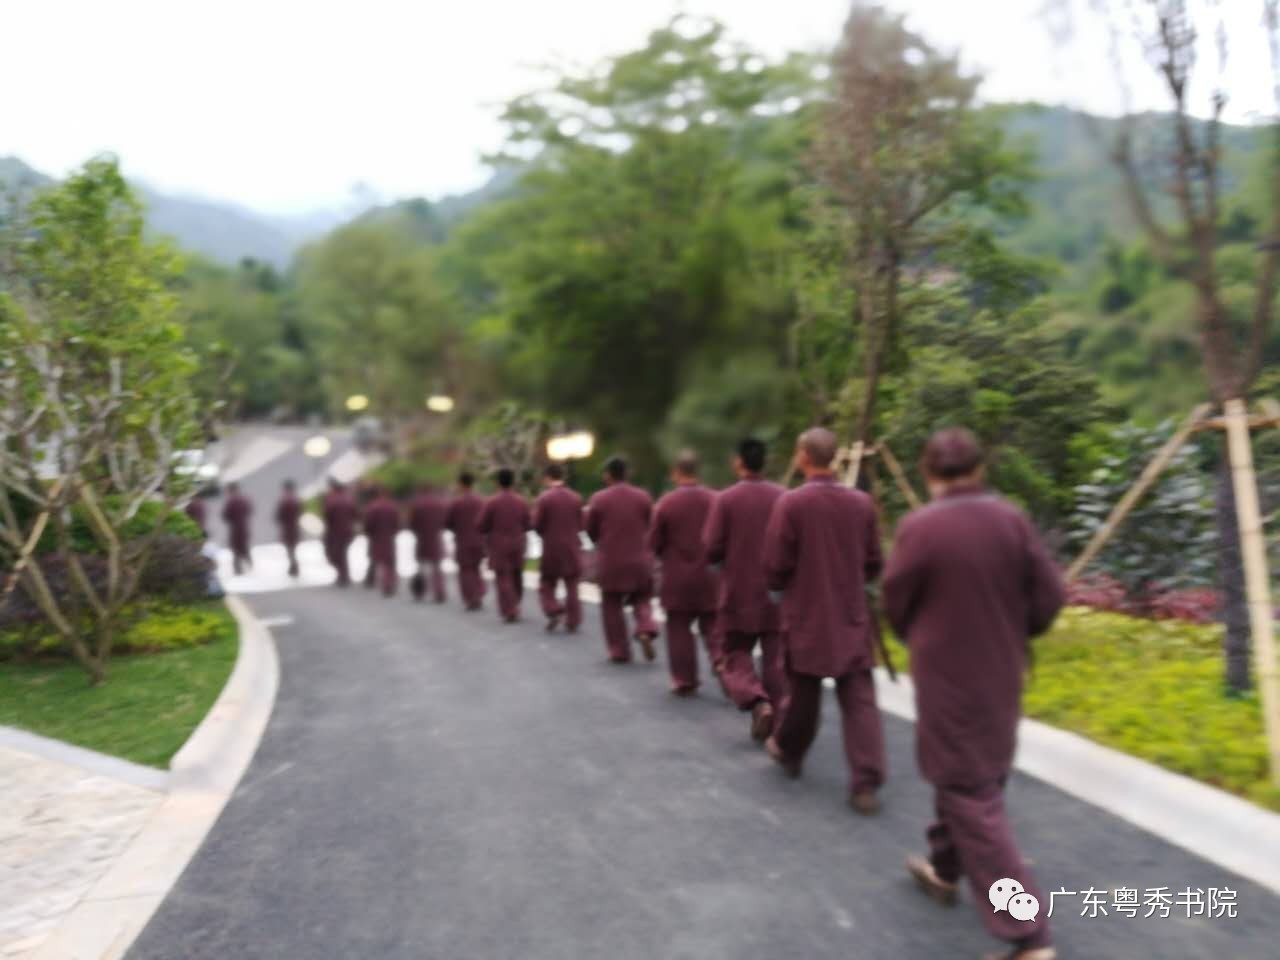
x: 149, y: 627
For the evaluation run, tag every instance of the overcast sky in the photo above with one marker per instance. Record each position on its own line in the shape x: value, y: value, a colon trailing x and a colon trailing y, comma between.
x: 284, y: 105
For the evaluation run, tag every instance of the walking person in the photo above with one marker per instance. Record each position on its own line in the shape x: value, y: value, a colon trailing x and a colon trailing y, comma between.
x: 733, y: 540
x: 463, y: 521
x: 688, y: 584
x: 381, y: 524
x: 340, y: 512
x: 618, y: 523
x: 968, y: 584
x: 505, y: 523
x: 557, y: 519
x: 822, y: 548
x: 427, y: 515
x: 235, y: 514
x: 288, y: 520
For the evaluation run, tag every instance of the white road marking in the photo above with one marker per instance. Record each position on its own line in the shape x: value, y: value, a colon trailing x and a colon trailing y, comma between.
x: 260, y: 451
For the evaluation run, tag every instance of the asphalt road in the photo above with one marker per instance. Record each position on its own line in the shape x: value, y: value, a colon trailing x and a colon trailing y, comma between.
x: 435, y: 785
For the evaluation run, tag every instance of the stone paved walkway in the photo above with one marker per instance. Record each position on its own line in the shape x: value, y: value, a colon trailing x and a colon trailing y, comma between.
x: 61, y: 827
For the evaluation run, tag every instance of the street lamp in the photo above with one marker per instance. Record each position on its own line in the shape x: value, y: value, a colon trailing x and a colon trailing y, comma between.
x: 316, y: 448
x: 439, y: 403
x: 357, y: 402
x: 571, y: 446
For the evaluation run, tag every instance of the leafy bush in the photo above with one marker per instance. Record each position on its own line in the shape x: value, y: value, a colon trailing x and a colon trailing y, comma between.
x: 1168, y: 540
x: 402, y: 478
x: 152, y: 513
x: 148, y: 627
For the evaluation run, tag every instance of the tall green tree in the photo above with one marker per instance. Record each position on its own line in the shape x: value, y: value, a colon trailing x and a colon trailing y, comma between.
x: 94, y: 398
x: 912, y: 178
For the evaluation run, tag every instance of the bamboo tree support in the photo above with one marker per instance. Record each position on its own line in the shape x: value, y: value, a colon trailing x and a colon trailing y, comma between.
x: 855, y: 464
x: 1257, y: 583
x: 898, y: 474
x: 1136, y: 492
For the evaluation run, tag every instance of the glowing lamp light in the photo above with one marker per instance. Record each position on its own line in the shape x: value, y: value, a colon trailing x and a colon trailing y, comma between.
x: 317, y: 447
x: 571, y: 446
x: 357, y: 402
x: 439, y: 403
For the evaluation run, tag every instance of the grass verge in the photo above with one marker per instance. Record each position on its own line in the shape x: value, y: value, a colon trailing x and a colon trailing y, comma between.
x: 147, y: 708
x: 1153, y: 689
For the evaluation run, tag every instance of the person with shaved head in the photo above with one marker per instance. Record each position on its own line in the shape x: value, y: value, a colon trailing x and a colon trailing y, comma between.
x: 968, y: 585
x: 733, y: 541
x: 688, y: 590
x: 617, y: 523
x: 821, y: 550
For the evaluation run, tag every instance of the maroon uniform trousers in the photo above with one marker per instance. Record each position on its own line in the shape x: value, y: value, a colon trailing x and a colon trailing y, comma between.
x: 738, y: 675
x: 968, y: 584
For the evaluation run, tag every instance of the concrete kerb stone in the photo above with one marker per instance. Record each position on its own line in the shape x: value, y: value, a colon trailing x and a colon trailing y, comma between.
x: 202, y: 776
x: 1210, y: 823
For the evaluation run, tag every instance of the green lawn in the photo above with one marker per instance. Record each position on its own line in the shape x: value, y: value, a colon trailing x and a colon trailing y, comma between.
x: 1152, y: 689
x: 147, y: 708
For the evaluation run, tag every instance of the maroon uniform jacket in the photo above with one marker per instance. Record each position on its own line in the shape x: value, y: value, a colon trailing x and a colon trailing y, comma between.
x: 821, y: 549
x: 557, y: 518
x: 339, y: 519
x: 463, y: 518
x: 288, y: 513
x: 618, y: 523
x: 235, y: 513
x: 505, y: 521
x: 733, y: 538
x: 968, y: 583
x: 427, y: 515
x: 675, y: 537
x: 381, y: 524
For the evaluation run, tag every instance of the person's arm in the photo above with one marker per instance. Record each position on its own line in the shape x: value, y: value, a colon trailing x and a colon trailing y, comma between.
x: 526, y: 516
x: 1046, y: 592
x: 594, y: 522
x: 779, y: 548
x: 903, y: 582
x: 657, y: 535
x: 484, y: 522
x: 539, y: 518
x: 715, y: 535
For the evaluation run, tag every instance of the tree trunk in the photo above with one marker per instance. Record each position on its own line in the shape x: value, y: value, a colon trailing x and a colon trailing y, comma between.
x: 1235, y: 608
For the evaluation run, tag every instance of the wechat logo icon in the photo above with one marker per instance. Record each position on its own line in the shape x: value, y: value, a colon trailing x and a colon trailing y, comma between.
x: 1009, y: 895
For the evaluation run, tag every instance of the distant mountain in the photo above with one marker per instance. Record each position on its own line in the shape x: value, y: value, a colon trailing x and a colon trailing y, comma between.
x: 220, y: 231
x: 1078, y: 200
x: 431, y: 221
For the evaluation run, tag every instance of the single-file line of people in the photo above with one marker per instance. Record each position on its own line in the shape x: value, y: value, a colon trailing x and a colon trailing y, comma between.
x: 786, y: 572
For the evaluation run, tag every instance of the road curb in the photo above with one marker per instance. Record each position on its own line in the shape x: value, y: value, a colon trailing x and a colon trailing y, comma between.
x: 202, y: 777
x: 1210, y: 823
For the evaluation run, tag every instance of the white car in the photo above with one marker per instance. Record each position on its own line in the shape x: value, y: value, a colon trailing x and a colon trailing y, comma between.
x: 196, y: 465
